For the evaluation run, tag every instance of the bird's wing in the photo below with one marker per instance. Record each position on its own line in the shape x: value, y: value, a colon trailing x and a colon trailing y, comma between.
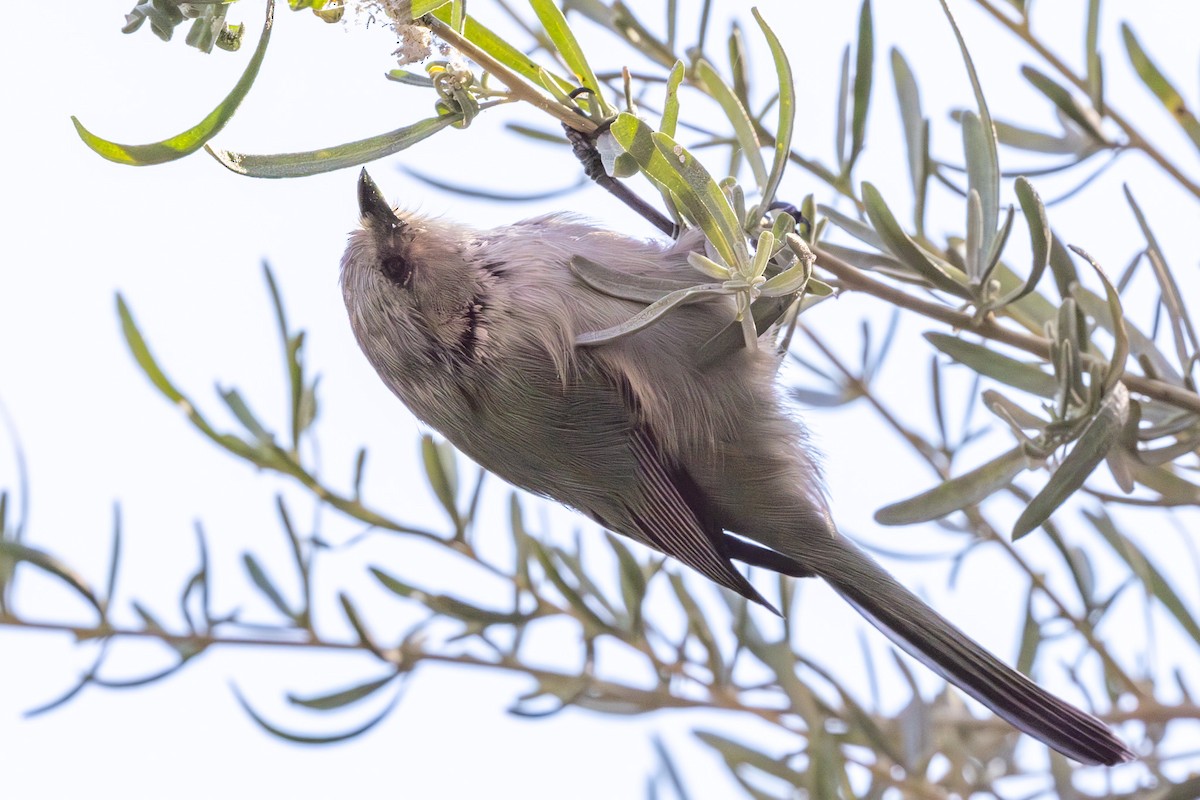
x: 670, y: 513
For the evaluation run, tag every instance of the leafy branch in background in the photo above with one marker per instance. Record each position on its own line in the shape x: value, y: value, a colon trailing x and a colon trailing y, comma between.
x: 1070, y: 377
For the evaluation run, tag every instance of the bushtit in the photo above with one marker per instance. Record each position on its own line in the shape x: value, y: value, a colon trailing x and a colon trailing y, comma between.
x: 475, y: 331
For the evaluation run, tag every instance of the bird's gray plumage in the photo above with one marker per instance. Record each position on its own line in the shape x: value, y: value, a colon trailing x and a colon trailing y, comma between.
x: 474, y: 330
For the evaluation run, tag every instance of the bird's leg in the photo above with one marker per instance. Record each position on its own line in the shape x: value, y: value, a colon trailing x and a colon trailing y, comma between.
x: 584, y: 147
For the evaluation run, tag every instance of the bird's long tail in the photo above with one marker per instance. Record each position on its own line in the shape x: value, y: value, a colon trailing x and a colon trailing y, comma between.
x: 949, y: 652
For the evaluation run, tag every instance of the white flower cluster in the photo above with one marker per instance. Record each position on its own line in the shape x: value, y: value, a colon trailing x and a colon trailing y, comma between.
x: 415, y: 43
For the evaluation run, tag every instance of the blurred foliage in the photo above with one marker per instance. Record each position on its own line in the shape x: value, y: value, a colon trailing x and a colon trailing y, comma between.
x: 1062, y: 369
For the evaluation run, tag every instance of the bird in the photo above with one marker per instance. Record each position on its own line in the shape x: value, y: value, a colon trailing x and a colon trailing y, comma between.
x: 698, y: 457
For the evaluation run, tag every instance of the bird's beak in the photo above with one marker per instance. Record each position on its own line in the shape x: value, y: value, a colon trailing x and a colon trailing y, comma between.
x: 371, y: 203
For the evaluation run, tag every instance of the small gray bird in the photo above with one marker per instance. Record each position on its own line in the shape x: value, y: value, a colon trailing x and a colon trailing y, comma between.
x: 475, y: 331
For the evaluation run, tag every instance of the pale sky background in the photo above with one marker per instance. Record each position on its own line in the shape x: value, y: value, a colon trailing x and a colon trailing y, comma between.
x: 184, y: 243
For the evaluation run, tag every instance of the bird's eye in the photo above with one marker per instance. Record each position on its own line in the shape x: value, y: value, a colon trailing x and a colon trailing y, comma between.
x: 397, y: 269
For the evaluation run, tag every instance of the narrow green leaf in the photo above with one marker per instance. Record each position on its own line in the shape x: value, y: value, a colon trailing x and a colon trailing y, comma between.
x: 1062, y: 267
x: 670, y: 115
x: 298, y: 559
x: 1173, y: 490
x: 902, y: 246
x: 777, y: 656
x: 1099, y: 435
x: 342, y: 697
x: 972, y: 246
x: 360, y: 629
x: 291, y: 365
x: 141, y: 354
x: 441, y: 472
x: 499, y: 48
x: 1160, y: 85
x: 305, y: 411
x: 625, y: 285
x: 537, y: 134
x: 730, y: 339
x: 1068, y: 333
x: 1182, y: 329
x: 191, y: 140
x: 957, y: 493
x: 633, y: 582
x: 583, y: 577
x: 559, y: 31
x: 991, y: 259
x: 739, y: 63
x: 409, y: 78
x: 864, y: 67
x: 670, y: 166
x: 787, y: 115
x: 1153, y: 580
x: 737, y: 756
x: 650, y: 314
x: 84, y: 680
x: 474, y: 190
x: 873, y: 262
x: 983, y: 162
x: 298, y: 738
x: 997, y: 366
x: 114, y: 558
x: 522, y: 541
x: 1036, y: 141
x: 859, y: 230
x: 1121, y: 458
x: 788, y: 282
x: 300, y: 410
x: 983, y: 177
x: 474, y: 616
x: 397, y: 586
x: 1141, y: 345
x: 1040, y: 237
x: 916, y: 133
x: 237, y: 404
x: 739, y: 118
x: 1120, y: 353
x: 670, y: 769
x: 476, y: 494
x: 149, y: 621
x: 1091, y: 50
x: 360, y: 465
x: 699, y: 627
x: 52, y: 566
x: 1031, y: 637
x: 591, y: 621
x: 862, y: 722
x: 1083, y: 571
x: 621, y: 19
x: 1066, y: 102
x: 200, y: 584
x: 448, y: 606
x: 422, y: 7
x: 1033, y: 310
x: 327, y: 159
x: 265, y: 585
x: 841, y: 133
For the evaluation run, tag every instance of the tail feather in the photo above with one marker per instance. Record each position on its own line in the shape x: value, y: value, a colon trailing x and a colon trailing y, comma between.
x: 930, y: 638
